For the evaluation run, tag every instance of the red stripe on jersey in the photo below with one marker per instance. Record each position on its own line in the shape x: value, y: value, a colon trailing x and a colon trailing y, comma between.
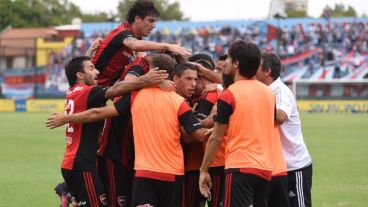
x: 140, y: 62
x: 212, y: 97
x: 155, y: 175
x: 184, y: 107
x: 105, y: 137
x: 265, y: 174
x: 228, y: 98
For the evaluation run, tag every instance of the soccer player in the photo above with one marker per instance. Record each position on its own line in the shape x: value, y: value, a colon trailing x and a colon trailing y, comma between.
x: 79, y: 164
x: 117, y: 49
x: 204, y: 102
x: 298, y: 160
x: 245, y: 116
x: 116, y: 152
x: 161, y: 165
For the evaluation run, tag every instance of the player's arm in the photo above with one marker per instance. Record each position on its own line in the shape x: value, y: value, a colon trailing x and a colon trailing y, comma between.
x: 283, y: 107
x: 225, y: 108
x: 281, y: 116
x: 143, y: 45
x: 209, y: 74
x: 151, y: 78
x: 90, y: 115
x: 209, y: 122
x: 94, y: 47
x: 121, y: 107
x: 191, y: 127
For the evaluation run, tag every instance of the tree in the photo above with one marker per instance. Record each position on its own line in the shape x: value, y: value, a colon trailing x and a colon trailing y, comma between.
x: 168, y: 11
x: 339, y: 10
x: 293, y: 13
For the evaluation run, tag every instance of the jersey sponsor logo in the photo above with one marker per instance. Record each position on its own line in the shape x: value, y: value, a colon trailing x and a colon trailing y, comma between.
x: 126, y: 54
x: 79, y: 88
x: 145, y: 205
x: 121, y: 201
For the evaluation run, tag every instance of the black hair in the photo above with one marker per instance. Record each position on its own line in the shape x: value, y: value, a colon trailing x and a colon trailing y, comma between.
x: 273, y: 62
x: 223, y: 57
x: 163, y: 62
x: 203, y: 59
x: 74, y: 66
x: 248, y: 55
x: 141, y: 8
x: 181, y: 67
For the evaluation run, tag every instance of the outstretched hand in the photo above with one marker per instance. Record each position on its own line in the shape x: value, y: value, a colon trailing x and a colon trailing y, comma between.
x: 55, y: 120
x: 177, y: 49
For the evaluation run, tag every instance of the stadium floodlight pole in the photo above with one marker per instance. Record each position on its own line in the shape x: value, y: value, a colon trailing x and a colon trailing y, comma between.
x: 278, y: 17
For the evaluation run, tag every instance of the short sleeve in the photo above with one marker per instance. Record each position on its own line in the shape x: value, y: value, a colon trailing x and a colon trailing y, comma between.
x: 96, y: 96
x: 225, y: 107
x: 187, y: 119
x: 284, y: 102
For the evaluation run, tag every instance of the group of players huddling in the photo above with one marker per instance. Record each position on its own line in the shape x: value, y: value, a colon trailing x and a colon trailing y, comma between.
x: 180, y: 129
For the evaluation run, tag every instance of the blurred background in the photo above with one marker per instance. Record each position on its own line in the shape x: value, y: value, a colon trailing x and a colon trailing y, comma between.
x: 322, y: 44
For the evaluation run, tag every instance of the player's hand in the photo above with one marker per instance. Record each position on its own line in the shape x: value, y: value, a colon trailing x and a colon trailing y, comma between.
x: 55, y: 120
x: 177, y: 49
x: 211, y: 87
x: 96, y: 43
x: 167, y: 85
x: 155, y: 76
x: 205, y: 184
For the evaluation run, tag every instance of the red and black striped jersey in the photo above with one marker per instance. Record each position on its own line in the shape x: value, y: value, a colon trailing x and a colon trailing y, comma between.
x: 112, y: 56
x: 82, y: 139
x: 117, y: 139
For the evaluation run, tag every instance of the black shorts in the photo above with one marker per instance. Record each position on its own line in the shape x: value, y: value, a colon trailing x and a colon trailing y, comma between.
x: 278, y: 192
x: 117, y: 180
x: 86, y: 187
x: 151, y: 192
x: 244, y: 189
x: 193, y: 196
x: 217, y: 191
x: 300, y: 185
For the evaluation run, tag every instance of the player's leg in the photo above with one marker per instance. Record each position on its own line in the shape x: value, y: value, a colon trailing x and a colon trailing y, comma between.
x: 144, y: 192
x: 193, y: 197
x: 217, y: 177
x: 238, y: 190
x: 171, y: 193
x: 278, y: 196
x: 300, y: 184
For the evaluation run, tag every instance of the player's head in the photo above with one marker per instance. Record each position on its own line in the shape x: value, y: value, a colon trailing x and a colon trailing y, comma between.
x: 244, y: 59
x: 207, y: 62
x: 185, y: 78
x: 270, y: 68
x: 163, y: 62
x: 81, y: 70
x: 143, y: 15
x: 203, y: 59
x: 221, y: 63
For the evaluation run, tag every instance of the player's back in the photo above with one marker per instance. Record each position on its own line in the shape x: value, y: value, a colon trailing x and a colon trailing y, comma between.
x: 156, y: 131
x: 251, y: 126
x: 112, y: 56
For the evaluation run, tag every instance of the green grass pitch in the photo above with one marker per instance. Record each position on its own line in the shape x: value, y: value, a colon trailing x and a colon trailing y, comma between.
x: 30, y: 157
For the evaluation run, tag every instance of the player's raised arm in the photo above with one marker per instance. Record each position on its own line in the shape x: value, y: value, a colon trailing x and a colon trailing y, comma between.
x: 151, y: 78
x: 143, y: 45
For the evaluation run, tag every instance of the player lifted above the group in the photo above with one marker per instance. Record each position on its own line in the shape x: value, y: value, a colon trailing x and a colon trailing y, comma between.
x: 118, y: 49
